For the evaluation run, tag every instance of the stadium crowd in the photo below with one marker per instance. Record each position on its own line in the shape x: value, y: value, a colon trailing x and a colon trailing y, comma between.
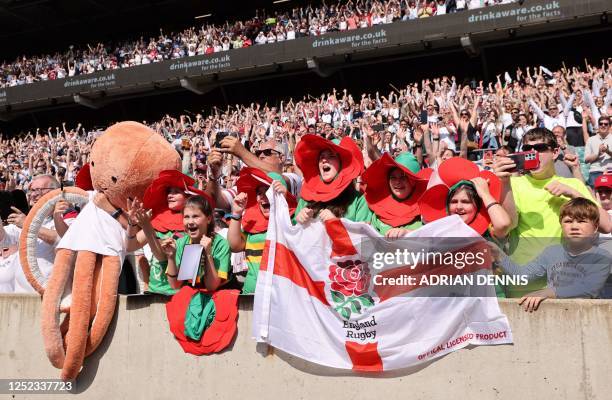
x: 263, y: 28
x: 562, y: 116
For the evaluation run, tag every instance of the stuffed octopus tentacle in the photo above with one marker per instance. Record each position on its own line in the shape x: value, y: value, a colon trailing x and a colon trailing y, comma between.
x: 76, y: 338
x: 109, y: 282
x: 97, y: 280
x: 31, y: 226
x: 51, y: 332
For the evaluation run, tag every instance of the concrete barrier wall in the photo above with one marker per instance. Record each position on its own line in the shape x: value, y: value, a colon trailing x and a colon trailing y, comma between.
x: 563, y: 351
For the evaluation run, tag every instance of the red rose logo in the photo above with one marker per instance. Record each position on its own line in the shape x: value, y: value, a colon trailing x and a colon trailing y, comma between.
x: 350, y: 278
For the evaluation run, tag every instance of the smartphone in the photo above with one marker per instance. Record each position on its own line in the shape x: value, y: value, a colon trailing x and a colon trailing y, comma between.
x: 378, y: 128
x: 220, y: 136
x: 8, y: 199
x: 423, y: 117
x: 5, y: 206
x: 525, y: 161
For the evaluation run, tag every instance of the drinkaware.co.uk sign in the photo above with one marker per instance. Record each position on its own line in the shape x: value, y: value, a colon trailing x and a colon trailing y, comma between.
x: 367, y: 39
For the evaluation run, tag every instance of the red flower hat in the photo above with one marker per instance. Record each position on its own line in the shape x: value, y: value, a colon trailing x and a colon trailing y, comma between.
x: 433, y: 203
x: 425, y: 173
x: 83, y: 179
x: 307, y: 156
x: 378, y: 195
x: 155, y: 198
x: 253, y: 220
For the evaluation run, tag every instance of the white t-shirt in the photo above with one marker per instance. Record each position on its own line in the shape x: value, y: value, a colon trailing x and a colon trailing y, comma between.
x: 520, y: 131
x: 602, y: 162
x: 474, y: 4
x: 506, y: 120
x: 45, y: 255
x: 96, y: 231
x: 8, y: 265
x: 445, y: 136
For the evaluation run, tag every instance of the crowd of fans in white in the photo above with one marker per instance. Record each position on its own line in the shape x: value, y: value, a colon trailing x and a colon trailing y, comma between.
x: 433, y: 120
x: 263, y: 28
x: 569, y: 102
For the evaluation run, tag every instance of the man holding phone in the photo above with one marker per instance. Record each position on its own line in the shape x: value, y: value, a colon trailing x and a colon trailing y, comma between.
x: 534, y: 200
x: 269, y: 157
x: 47, y: 237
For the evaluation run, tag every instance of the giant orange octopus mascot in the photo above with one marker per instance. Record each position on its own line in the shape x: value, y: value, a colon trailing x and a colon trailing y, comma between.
x: 123, y: 162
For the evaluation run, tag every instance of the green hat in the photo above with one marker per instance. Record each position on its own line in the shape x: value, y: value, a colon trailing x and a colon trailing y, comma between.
x: 277, y: 177
x: 453, y: 189
x: 409, y: 161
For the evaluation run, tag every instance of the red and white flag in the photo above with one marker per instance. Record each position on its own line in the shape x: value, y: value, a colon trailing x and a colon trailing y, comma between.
x: 315, y: 299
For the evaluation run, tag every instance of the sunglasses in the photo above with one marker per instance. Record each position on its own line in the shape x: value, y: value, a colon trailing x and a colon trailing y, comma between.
x: 604, y: 124
x: 266, y: 152
x: 539, y: 147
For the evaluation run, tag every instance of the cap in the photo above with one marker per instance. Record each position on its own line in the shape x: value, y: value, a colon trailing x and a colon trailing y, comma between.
x: 603, y: 181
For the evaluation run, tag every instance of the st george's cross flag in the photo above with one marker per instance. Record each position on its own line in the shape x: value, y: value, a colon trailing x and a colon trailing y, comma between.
x: 316, y: 299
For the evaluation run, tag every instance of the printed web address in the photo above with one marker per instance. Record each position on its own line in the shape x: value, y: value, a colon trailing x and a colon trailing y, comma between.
x: 349, y: 39
x: 487, y: 16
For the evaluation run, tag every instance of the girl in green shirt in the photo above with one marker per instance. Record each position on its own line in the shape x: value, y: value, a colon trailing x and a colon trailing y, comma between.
x: 199, y: 226
x: 393, y: 188
x: 165, y: 197
x: 329, y: 170
x: 471, y: 194
x: 464, y: 190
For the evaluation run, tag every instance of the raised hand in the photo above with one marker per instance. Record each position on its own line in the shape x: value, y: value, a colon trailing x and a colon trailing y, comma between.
x: 16, y: 218
x: 502, y: 167
x: 395, y: 233
x: 326, y: 215
x: 168, y: 246
x: 278, y: 187
x: 482, y: 186
x: 206, y: 242
x: 61, y: 207
x: 557, y: 188
x: 571, y: 160
x: 305, y: 215
x: 239, y: 203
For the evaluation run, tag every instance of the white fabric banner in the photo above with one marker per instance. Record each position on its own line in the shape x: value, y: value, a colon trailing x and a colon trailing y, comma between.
x: 315, y: 299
